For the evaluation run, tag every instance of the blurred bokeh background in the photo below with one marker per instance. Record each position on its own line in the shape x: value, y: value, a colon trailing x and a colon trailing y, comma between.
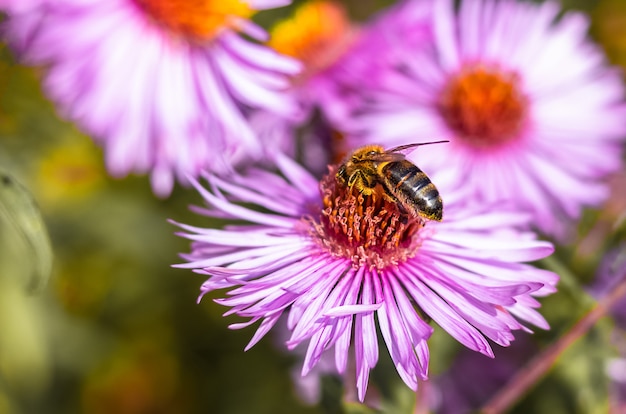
x: 118, y: 330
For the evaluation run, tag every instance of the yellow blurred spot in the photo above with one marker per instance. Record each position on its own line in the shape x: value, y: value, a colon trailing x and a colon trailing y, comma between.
x: 199, y: 19
x: 609, y: 28
x: 70, y: 171
x: 317, y: 34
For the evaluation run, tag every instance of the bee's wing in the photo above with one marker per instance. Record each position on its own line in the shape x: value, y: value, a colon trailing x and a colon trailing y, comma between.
x: 388, y: 157
x: 404, y: 149
x: 19, y: 212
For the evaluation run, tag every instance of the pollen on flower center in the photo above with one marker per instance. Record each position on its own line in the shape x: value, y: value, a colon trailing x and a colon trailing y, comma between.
x: 483, y: 106
x: 368, y: 229
x: 199, y: 19
x: 317, y: 34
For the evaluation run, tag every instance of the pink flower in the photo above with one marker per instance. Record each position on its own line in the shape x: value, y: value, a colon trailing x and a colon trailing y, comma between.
x: 534, y: 116
x: 320, y: 35
x: 165, y: 86
x: 17, y: 6
x: 342, y: 266
x: 339, y: 63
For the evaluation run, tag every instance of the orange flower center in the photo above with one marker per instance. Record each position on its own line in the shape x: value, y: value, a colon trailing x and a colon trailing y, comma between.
x: 484, y: 106
x: 317, y: 34
x: 368, y: 229
x: 198, y: 19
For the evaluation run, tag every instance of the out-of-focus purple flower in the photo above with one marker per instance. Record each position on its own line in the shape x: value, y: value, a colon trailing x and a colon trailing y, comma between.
x: 308, y: 387
x: 611, y: 271
x: 340, y: 60
x: 533, y: 114
x: 336, y: 261
x: 373, y: 50
x: 472, y: 379
x: 18, y: 6
x: 616, y: 371
x: 166, y: 86
x: 318, y: 34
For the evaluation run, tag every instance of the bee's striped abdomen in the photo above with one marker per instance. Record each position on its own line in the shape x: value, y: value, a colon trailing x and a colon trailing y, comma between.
x: 412, y: 187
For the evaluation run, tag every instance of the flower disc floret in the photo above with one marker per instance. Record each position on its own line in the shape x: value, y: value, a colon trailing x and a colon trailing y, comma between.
x: 201, y: 19
x: 370, y: 230
x: 484, y: 106
x: 318, y: 34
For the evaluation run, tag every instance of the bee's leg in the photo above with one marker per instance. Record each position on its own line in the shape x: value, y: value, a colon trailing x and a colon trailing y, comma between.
x: 389, y: 197
x: 342, y: 175
x: 360, y: 181
x: 364, y: 183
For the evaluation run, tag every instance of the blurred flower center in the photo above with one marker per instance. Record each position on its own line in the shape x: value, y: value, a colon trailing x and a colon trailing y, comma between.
x: 369, y: 230
x: 317, y: 34
x: 200, y: 19
x: 484, y: 106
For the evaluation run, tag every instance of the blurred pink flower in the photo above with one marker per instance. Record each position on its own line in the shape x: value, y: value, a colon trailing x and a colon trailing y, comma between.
x: 320, y: 35
x: 18, y: 6
x: 339, y: 58
x: 308, y: 388
x: 166, y: 86
x: 338, y: 263
x: 533, y: 114
x: 455, y: 392
x: 611, y: 271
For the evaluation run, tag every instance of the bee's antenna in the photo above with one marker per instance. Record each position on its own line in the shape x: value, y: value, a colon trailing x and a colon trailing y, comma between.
x: 417, y: 144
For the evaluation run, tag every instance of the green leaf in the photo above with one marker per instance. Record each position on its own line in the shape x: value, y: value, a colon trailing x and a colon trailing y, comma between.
x: 24, y: 233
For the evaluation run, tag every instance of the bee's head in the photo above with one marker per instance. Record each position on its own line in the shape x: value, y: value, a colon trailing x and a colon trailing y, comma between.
x: 366, y: 153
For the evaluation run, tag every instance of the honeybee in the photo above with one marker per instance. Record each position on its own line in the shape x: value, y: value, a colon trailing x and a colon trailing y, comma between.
x: 401, y: 180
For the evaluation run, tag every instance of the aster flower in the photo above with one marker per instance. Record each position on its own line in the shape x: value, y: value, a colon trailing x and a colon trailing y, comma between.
x: 335, y: 261
x: 335, y: 51
x: 610, y: 273
x: 534, y: 116
x: 318, y: 34
x: 165, y: 86
x: 331, y: 48
x: 17, y: 6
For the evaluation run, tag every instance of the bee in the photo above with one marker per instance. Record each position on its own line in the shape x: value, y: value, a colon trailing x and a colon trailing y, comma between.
x: 401, y: 180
